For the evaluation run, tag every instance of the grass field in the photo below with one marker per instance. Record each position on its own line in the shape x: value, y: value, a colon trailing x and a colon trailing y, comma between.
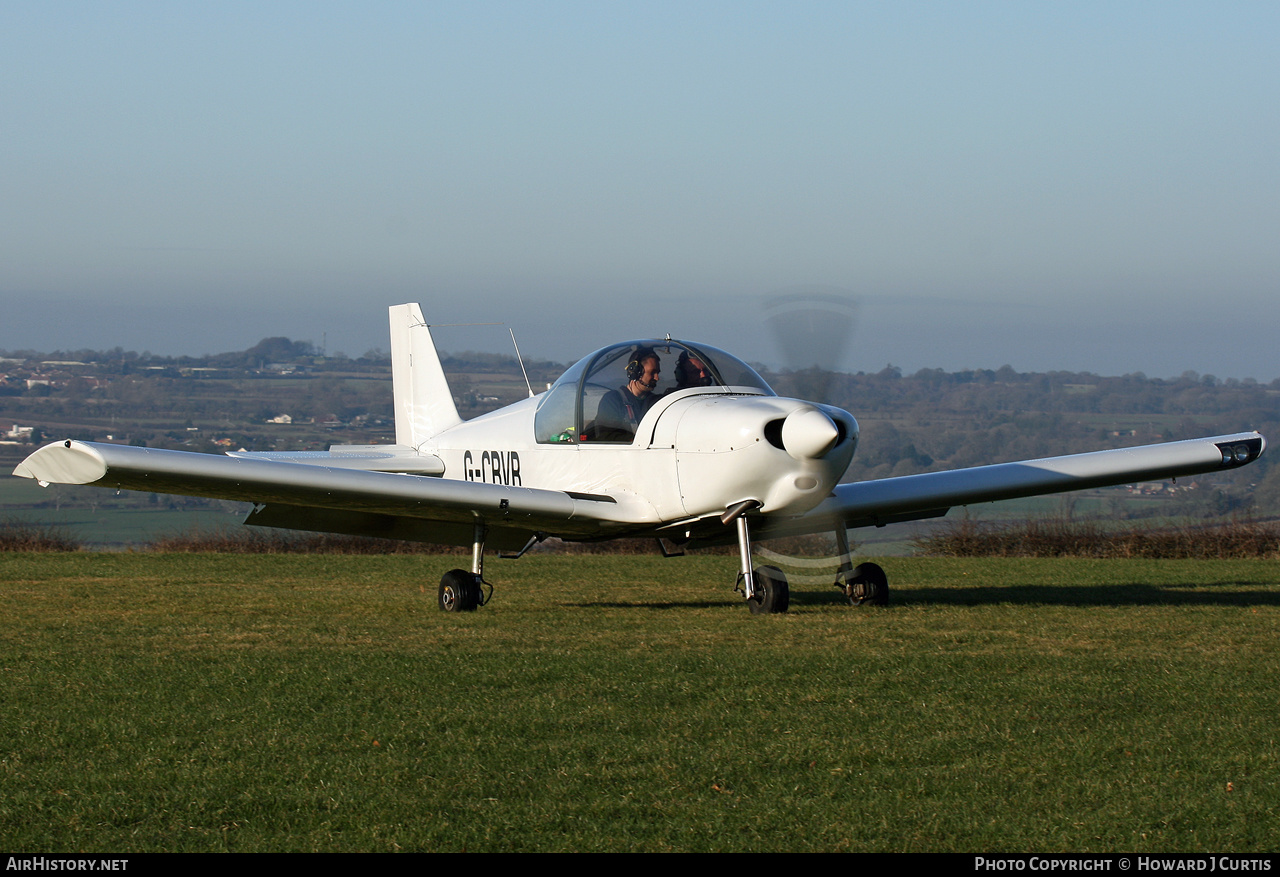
x: 231, y: 702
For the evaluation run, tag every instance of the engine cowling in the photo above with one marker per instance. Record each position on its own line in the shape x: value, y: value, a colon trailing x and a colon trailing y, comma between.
x: 785, y: 454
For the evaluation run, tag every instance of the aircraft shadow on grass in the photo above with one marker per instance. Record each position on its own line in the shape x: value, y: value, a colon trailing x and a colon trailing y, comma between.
x: 1214, y: 593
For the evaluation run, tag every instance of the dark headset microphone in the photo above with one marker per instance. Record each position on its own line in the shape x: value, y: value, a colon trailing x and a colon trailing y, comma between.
x: 635, y: 367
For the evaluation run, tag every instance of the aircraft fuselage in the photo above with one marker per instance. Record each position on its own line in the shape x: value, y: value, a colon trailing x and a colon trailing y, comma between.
x: 693, y: 454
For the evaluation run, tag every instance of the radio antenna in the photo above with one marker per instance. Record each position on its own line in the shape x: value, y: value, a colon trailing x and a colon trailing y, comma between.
x: 520, y: 360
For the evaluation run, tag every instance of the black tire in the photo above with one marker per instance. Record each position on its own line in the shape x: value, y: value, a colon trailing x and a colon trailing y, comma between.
x: 459, y: 591
x: 773, y: 594
x: 870, y: 585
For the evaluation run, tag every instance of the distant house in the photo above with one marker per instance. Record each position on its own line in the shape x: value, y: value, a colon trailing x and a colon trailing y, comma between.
x: 1151, y: 488
x: 281, y: 418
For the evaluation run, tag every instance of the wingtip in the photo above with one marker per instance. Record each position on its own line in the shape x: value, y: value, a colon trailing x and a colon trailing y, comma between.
x: 64, y: 462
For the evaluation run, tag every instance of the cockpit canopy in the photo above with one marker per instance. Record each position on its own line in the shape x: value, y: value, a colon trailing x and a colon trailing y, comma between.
x: 578, y: 407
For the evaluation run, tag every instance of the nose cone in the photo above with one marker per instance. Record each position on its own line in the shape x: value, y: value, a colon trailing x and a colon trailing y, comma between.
x: 807, y: 434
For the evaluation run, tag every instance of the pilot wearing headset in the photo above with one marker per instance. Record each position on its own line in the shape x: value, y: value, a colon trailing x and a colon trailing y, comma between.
x: 621, y: 410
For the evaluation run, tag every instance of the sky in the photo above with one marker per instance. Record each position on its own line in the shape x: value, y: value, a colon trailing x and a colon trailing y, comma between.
x: 1078, y: 186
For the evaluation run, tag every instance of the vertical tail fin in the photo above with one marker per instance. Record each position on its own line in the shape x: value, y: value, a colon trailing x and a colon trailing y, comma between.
x: 423, y: 401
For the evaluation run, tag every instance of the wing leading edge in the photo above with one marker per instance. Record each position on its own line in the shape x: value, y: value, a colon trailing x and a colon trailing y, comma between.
x: 932, y: 494
x: 332, y: 499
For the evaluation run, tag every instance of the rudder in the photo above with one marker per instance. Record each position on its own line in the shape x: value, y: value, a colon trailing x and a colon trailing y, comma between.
x: 423, y: 401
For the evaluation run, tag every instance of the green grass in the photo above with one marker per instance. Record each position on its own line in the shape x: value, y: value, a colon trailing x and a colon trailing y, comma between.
x: 109, y: 518
x: 231, y: 702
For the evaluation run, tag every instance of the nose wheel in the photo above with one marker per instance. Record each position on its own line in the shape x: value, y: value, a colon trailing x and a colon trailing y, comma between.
x: 765, y: 587
x: 772, y: 593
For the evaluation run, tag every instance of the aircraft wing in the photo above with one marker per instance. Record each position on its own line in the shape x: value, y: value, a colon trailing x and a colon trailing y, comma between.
x: 932, y: 494
x: 335, y: 498
x: 374, y: 458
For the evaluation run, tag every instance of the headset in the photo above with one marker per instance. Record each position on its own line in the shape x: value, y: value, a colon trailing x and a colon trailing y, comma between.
x: 635, y: 366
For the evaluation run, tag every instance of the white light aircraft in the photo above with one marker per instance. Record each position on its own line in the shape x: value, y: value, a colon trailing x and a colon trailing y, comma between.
x: 653, y: 438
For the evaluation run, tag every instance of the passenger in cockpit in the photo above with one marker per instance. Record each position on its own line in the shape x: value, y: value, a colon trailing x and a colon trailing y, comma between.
x: 621, y: 410
x: 691, y: 371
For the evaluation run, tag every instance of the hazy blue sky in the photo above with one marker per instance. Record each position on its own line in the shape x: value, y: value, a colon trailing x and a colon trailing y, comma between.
x: 1075, y: 186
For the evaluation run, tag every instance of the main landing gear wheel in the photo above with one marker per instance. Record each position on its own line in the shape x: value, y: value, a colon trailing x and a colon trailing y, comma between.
x: 460, y: 591
x: 772, y: 594
x: 868, y: 584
